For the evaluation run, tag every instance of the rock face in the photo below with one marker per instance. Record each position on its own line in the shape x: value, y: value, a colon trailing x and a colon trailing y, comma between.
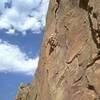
x: 23, y: 92
x: 69, y: 66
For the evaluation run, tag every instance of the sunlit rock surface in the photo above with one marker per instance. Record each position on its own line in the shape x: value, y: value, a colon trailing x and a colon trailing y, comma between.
x: 69, y: 65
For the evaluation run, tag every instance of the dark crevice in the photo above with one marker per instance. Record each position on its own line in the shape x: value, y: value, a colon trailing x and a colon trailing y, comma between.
x: 95, y: 32
x: 93, y: 61
x: 58, y: 3
x: 80, y: 78
x: 69, y: 62
x: 83, y: 4
x: 66, y: 28
x: 36, y: 97
x: 92, y: 88
x: 90, y: 64
x: 95, y: 15
x: 76, y: 55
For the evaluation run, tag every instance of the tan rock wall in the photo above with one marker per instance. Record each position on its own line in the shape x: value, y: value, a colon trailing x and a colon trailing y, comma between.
x: 69, y: 66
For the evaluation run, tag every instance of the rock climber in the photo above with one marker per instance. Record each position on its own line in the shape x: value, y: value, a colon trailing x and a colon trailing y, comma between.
x: 52, y: 42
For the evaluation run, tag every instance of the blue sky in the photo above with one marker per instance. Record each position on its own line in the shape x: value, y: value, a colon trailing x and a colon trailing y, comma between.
x: 22, y: 25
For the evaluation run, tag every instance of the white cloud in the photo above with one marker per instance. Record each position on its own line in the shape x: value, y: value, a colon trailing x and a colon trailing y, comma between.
x: 12, y: 59
x: 24, y: 15
x: 10, y: 31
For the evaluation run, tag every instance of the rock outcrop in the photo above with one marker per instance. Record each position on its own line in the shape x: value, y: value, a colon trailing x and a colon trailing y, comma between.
x: 69, y: 65
x: 23, y: 92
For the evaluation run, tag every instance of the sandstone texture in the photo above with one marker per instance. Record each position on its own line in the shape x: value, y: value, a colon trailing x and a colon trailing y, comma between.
x: 69, y: 65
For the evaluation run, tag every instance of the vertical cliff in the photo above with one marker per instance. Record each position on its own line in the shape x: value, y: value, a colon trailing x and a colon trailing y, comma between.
x: 69, y: 65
